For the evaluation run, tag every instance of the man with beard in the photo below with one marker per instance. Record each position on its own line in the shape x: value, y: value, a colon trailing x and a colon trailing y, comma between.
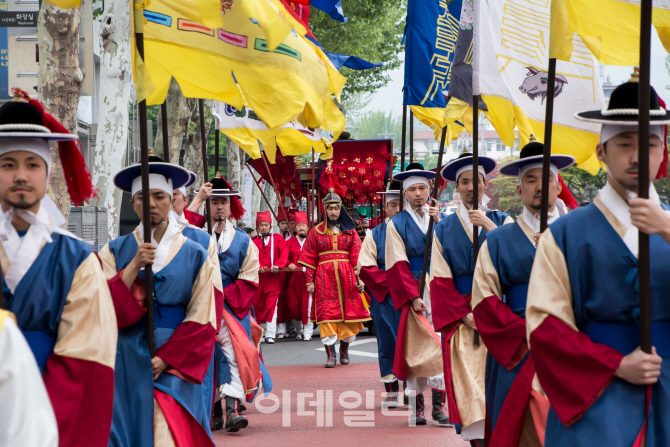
x: 239, y: 334
x: 582, y: 315
x: 330, y: 255
x: 418, y: 358
x: 451, y: 272
x: 297, y: 303
x: 273, y: 255
x: 372, y: 268
x: 53, y: 282
x: 283, y: 224
x: 498, y: 301
x: 157, y: 397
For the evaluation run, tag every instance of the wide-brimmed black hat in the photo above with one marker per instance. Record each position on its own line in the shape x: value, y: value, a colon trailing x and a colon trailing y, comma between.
x: 533, y: 153
x: 465, y: 159
x: 414, y: 169
x: 221, y: 188
x: 19, y: 119
x: 623, y: 107
x: 395, y: 187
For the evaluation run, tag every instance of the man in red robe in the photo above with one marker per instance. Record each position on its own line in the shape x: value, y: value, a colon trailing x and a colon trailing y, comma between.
x: 273, y: 255
x: 331, y: 255
x: 296, y: 302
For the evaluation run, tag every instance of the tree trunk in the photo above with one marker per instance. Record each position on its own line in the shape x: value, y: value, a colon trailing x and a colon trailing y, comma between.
x: 179, y: 111
x: 193, y: 151
x: 115, y: 85
x: 233, y: 165
x: 59, y: 81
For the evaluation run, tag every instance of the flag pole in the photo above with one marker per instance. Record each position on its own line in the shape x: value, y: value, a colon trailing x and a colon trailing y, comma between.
x: 267, y: 169
x: 146, y: 209
x: 258, y: 184
x: 475, y: 184
x: 205, y: 170
x: 429, y: 235
x: 546, y: 155
x: 411, y: 136
x: 644, y: 94
x: 402, y: 147
x: 164, y: 127
x: 315, y: 194
x: 217, y: 150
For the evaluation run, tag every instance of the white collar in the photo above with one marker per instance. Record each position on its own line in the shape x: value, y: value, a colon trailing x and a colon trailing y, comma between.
x: 335, y: 229
x: 179, y: 221
x: 421, y: 222
x: 533, y: 220
x: 22, y: 251
x: 620, y: 209
x: 162, y: 248
x: 226, y: 237
x: 463, y: 212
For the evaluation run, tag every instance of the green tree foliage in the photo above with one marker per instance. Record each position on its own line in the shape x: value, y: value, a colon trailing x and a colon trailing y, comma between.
x: 375, y: 125
x: 577, y: 179
x: 373, y: 32
x: 502, y: 191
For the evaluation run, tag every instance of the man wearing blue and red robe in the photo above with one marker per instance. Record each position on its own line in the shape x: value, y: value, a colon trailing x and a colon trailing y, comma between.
x: 499, y: 305
x: 452, y: 269
x: 583, y: 307
x: 53, y: 282
x: 372, y: 268
x: 160, y: 400
x: 418, y: 353
x: 239, y: 335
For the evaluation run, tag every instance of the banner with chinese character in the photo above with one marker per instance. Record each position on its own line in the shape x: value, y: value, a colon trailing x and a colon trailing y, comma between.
x: 430, y: 40
x: 511, y: 49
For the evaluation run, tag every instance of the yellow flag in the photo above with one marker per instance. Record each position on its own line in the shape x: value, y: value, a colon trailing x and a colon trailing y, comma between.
x: 234, y: 63
x: 610, y: 29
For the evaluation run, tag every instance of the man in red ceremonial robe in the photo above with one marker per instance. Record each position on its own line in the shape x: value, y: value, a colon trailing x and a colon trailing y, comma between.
x: 331, y: 255
x: 296, y: 302
x: 273, y: 255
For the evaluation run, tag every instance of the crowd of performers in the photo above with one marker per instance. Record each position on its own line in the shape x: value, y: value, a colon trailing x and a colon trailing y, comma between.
x: 535, y: 343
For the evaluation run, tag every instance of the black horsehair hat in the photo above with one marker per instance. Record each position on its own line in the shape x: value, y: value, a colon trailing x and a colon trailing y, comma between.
x: 533, y: 153
x: 221, y: 188
x: 623, y: 107
x: 395, y: 187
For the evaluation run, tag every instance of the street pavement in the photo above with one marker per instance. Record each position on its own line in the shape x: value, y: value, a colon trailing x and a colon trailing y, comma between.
x: 313, y: 406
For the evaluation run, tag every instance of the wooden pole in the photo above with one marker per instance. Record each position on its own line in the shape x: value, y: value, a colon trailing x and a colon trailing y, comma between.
x: 475, y: 184
x: 146, y: 211
x: 429, y: 235
x: 402, y: 148
x: 411, y: 137
x: 546, y: 155
x: 164, y: 127
x: 258, y: 183
x: 644, y: 93
x: 315, y: 194
x: 205, y: 169
x: 267, y: 168
x: 217, y: 150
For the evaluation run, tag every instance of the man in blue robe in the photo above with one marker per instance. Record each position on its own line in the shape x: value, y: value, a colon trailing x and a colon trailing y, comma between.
x: 582, y: 314
x: 452, y: 268
x: 499, y: 304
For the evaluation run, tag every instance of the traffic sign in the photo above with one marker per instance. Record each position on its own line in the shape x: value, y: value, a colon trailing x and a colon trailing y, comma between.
x: 590, y: 193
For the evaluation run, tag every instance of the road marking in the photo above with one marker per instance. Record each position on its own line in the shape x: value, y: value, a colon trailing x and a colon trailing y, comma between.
x: 354, y: 352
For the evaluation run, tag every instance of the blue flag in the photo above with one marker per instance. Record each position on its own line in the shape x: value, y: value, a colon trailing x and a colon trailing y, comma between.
x: 331, y: 7
x: 343, y: 60
x: 430, y: 42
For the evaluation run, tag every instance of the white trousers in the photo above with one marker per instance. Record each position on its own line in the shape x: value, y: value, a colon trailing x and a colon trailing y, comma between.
x: 271, y: 326
x: 234, y: 388
x: 332, y: 339
x: 419, y: 384
x: 308, y: 329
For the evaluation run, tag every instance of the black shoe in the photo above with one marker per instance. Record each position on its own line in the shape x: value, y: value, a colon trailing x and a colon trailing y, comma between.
x: 391, y: 400
x: 344, y: 352
x: 417, y: 406
x: 242, y: 408
x: 332, y: 359
x: 216, y: 423
x: 405, y: 398
x: 439, y: 413
x: 233, y: 419
x: 291, y: 333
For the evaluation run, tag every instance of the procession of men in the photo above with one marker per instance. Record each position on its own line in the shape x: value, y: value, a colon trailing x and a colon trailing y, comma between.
x: 511, y: 330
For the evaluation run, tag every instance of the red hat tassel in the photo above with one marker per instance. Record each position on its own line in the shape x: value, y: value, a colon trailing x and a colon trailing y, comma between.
x: 663, y: 169
x: 566, y: 196
x: 236, y: 208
